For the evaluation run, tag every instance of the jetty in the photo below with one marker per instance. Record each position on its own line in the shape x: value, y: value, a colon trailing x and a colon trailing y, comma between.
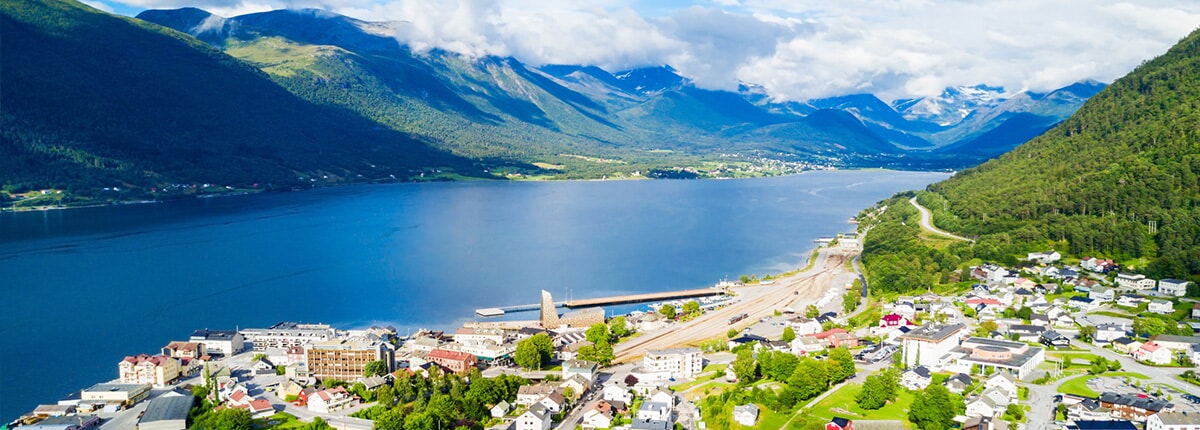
x: 602, y: 301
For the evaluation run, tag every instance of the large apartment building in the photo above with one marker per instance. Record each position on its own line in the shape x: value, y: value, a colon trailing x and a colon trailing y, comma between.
x: 344, y: 359
x: 680, y: 362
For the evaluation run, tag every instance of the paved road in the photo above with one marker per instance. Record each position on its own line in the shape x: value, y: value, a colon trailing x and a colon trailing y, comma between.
x: 927, y: 223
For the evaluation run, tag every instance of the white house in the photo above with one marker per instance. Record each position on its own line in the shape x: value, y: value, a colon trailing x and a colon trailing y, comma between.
x: 1106, y: 333
x: 553, y: 402
x: 1160, y: 306
x: 1101, y: 294
x: 1083, y: 303
x: 916, y: 378
x: 1134, y: 281
x: 802, y: 326
x: 595, y: 418
x: 1044, y: 257
x: 1173, y: 287
x: 534, y: 418
x: 660, y: 396
x: 982, y: 407
x: 329, y: 400
x: 617, y: 392
x: 654, y: 411
x: 1003, y: 381
x: 501, y: 409
x: 746, y: 414
x: 1172, y: 421
x: 1152, y: 352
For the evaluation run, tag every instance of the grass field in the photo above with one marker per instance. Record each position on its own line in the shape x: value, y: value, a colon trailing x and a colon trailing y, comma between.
x: 842, y: 403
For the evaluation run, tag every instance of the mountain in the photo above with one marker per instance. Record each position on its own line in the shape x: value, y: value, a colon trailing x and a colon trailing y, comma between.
x: 95, y: 101
x: 288, y: 96
x: 1120, y: 178
x: 952, y: 106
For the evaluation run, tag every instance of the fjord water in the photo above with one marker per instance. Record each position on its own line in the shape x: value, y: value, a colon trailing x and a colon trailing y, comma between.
x: 84, y: 287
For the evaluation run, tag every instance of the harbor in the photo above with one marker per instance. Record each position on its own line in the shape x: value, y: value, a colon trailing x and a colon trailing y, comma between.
x: 613, y: 300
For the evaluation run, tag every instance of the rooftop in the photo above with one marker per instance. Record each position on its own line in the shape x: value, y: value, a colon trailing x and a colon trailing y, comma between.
x: 167, y: 407
x: 934, y: 332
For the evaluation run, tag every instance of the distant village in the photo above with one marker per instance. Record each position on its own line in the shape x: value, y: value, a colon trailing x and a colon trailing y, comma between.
x: 1045, y: 345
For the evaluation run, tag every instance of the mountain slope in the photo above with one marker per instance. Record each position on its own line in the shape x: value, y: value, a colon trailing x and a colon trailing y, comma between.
x: 1118, y: 179
x: 92, y: 100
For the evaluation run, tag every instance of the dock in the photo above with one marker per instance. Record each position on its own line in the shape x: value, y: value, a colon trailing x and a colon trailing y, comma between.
x: 602, y: 301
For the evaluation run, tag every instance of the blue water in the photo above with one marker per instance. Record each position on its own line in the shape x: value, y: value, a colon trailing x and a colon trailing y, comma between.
x: 83, y: 288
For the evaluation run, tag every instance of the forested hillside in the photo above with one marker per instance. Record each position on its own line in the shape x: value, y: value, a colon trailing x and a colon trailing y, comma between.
x: 94, y: 101
x: 1119, y: 179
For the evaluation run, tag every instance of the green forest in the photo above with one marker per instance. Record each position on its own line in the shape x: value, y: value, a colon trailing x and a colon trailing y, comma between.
x: 1119, y: 179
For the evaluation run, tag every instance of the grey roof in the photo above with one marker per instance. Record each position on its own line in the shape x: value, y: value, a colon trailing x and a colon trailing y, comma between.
x: 167, y: 407
x: 1102, y: 425
x: 1124, y: 340
x: 962, y: 378
x: 1175, y: 418
x: 1174, y: 338
x: 934, y: 332
x: 639, y: 424
x: 1131, y: 400
x: 921, y: 371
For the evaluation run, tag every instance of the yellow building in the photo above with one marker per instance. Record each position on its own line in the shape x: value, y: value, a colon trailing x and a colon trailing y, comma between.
x: 158, y: 370
x: 344, y: 359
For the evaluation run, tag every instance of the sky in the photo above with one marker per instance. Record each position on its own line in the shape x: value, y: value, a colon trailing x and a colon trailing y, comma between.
x: 793, y: 49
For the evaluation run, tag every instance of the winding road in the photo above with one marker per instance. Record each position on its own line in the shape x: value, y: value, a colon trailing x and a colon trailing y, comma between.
x: 927, y: 222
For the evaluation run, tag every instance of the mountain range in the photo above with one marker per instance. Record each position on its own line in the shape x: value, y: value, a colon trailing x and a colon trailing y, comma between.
x: 306, y: 95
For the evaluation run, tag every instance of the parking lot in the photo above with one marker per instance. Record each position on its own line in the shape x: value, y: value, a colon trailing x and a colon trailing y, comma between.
x: 1183, y: 402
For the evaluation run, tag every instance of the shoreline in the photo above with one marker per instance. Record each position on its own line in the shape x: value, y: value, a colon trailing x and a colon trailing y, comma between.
x: 12, y: 209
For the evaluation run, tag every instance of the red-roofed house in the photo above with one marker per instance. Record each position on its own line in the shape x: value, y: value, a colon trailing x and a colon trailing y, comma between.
x: 1152, y: 352
x: 976, y: 301
x: 456, y: 361
x: 834, y: 338
x: 159, y: 370
x: 894, y: 320
x: 329, y: 400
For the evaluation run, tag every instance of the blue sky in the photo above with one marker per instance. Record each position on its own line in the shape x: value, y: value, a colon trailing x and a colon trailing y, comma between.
x: 793, y: 49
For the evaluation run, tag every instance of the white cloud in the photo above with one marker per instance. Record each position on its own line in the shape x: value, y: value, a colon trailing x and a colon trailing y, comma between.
x: 796, y: 49
x: 98, y: 5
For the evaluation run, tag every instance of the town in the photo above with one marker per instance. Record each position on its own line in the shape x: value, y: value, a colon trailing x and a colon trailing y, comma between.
x: 1044, y: 345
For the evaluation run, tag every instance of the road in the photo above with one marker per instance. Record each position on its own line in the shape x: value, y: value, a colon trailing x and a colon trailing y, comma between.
x: 927, y: 222
x: 756, y: 301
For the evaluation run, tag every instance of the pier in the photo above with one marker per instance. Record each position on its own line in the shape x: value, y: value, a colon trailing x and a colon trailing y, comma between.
x: 601, y: 301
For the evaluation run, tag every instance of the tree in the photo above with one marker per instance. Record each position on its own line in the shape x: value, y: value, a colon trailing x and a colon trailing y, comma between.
x: 871, y: 396
x: 1114, y: 366
x: 932, y: 409
x: 692, y: 307
x: 777, y: 365
x: 619, y: 327
x: 841, y: 365
x: 375, y: 368
x: 1087, y: 332
x: 533, y: 352
x: 667, y: 311
x: 1099, y: 365
x: 732, y: 333
x: 811, y: 311
x: 1147, y: 327
x: 225, y: 419
x: 985, y: 329
x: 745, y: 367
x: 788, y: 334
x: 1025, y: 313
x: 597, y: 333
x: 810, y: 378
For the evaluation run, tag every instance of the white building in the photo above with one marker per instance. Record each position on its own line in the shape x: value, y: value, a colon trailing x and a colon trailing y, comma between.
x: 223, y: 342
x: 1173, y: 287
x: 929, y: 344
x: 679, y: 362
x: 1173, y: 421
x: 1044, y: 257
x: 746, y: 414
x: 288, y: 334
x: 534, y: 418
x: 1160, y: 306
x: 1134, y: 281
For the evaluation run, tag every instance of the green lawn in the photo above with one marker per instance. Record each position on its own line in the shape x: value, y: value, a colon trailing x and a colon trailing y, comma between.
x: 280, y: 420
x: 704, y: 377
x: 843, y: 400
x: 1112, y: 314
x: 766, y: 419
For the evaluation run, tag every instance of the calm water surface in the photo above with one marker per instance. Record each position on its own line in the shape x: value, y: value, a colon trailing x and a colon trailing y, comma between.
x: 83, y: 288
